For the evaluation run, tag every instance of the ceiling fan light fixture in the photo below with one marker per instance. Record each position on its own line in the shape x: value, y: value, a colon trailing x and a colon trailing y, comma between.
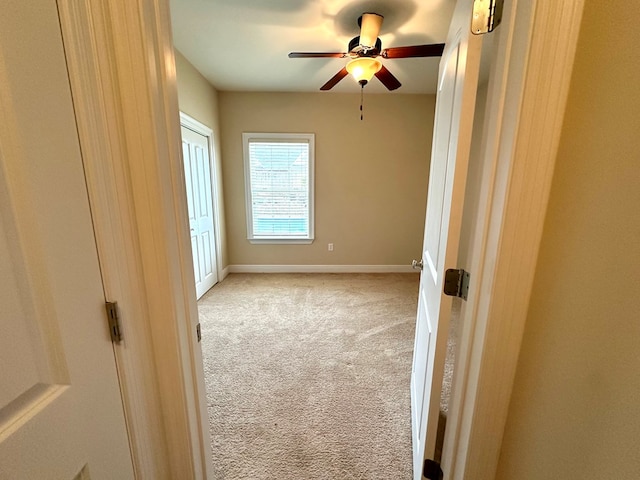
x: 363, y: 69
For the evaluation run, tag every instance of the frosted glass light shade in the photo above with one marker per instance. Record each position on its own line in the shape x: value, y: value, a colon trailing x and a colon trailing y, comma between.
x: 364, y: 68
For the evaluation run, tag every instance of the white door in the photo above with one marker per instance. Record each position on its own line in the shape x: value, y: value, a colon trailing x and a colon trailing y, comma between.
x: 197, y: 173
x: 61, y: 414
x: 457, y: 83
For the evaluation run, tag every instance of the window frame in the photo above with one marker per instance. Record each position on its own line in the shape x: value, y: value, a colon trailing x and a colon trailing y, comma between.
x: 308, y: 138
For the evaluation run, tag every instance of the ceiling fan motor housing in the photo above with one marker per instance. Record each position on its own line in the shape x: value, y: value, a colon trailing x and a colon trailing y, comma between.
x: 356, y: 50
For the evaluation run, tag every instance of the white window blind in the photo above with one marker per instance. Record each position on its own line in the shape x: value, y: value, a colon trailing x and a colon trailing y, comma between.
x: 279, y: 180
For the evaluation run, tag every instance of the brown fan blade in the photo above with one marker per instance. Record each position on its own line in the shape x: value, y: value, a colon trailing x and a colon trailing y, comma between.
x: 432, y: 50
x: 387, y: 78
x: 335, y: 79
x: 317, y: 55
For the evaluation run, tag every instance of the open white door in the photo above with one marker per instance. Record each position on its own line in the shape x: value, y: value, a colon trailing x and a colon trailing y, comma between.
x: 457, y: 83
x: 61, y: 413
x: 197, y: 172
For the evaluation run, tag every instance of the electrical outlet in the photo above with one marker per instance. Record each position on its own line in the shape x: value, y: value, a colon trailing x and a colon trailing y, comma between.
x: 330, y: 247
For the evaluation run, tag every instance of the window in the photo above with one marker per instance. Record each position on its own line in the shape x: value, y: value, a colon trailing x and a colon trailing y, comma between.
x: 278, y: 169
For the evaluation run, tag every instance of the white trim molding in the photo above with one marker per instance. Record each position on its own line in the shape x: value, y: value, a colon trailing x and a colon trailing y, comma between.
x: 198, y: 127
x: 225, y: 272
x: 320, y: 269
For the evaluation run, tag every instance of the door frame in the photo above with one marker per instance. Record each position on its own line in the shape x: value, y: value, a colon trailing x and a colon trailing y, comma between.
x: 192, y: 124
x: 126, y: 101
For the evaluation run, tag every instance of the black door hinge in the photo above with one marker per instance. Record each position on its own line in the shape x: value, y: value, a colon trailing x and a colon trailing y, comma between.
x: 113, y: 317
x: 456, y: 283
x: 432, y: 470
x: 198, y: 332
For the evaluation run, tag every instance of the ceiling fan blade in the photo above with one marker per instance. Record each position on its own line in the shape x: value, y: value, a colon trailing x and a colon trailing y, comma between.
x: 317, y: 55
x: 335, y: 79
x: 432, y: 50
x: 387, y: 78
x: 370, y: 24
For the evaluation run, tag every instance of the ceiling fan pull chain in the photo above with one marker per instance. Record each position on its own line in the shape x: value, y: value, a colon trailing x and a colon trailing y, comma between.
x: 361, y: 101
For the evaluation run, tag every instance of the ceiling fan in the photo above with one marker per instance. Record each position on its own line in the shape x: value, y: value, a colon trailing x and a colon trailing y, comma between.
x: 364, y: 50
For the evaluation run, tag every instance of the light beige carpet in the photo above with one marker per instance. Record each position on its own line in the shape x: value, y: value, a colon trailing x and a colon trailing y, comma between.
x: 308, y: 375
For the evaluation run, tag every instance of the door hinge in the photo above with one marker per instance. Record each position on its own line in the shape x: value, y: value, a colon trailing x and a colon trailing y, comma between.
x: 113, y: 318
x: 198, y: 332
x: 432, y: 470
x: 487, y: 15
x: 456, y: 283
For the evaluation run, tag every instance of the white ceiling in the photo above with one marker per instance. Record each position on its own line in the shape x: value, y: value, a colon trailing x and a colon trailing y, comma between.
x: 242, y: 45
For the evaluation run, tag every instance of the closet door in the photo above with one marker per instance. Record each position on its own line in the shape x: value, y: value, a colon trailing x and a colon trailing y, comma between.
x: 197, y: 172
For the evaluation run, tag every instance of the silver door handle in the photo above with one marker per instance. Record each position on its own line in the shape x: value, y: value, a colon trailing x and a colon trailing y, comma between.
x: 417, y: 265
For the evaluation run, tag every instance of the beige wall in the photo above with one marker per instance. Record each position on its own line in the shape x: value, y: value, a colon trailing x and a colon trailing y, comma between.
x: 198, y: 99
x: 370, y: 176
x: 575, y: 410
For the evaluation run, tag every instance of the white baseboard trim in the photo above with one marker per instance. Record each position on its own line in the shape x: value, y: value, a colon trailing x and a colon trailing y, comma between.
x: 320, y: 269
x: 225, y: 271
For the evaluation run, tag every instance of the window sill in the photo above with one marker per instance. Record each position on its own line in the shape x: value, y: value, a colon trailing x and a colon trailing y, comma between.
x: 282, y: 241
